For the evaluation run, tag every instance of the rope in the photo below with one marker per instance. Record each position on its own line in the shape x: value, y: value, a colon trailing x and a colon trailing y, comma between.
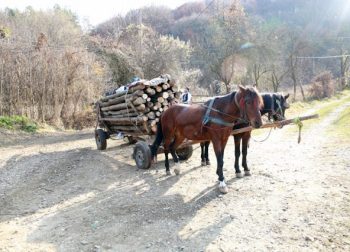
x: 260, y: 141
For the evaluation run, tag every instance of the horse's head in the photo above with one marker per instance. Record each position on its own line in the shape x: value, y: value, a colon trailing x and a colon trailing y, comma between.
x: 250, y: 102
x: 279, y: 107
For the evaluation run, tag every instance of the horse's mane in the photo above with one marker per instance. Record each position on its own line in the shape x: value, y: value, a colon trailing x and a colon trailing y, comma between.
x: 254, y: 94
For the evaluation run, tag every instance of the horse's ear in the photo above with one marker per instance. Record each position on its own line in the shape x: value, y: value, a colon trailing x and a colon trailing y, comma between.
x: 286, y: 96
x: 241, y: 88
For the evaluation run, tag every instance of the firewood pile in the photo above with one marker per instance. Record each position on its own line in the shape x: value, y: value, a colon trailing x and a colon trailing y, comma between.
x: 137, y: 110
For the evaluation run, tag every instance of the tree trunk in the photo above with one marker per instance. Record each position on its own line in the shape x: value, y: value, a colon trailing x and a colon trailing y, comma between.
x: 302, y: 90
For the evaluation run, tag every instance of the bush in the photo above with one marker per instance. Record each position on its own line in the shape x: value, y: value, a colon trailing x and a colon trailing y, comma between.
x: 322, y: 86
x: 18, y: 123
x: 84, y: 119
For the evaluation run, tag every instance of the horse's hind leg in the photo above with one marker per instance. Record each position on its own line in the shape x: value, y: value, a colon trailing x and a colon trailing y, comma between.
x: 237, y: 154
x: 245, y: 141
x: 167, y: 170
x: 176, y: 143
x: 166, y: 153
x: 206, y: 155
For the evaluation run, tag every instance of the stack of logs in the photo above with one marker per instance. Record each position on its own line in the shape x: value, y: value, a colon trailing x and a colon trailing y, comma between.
x: 137, y: 110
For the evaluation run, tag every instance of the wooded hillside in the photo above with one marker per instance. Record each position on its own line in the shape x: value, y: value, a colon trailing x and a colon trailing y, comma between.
x: 51, y: 70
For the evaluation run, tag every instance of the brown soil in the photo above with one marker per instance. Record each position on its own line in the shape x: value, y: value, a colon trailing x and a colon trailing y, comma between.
x: 58, y: 193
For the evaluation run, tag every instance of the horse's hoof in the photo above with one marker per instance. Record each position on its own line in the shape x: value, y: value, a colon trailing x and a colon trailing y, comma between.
x: 177, y: 169
x: 208, y: 162
x: 223, y: 189
x: 168, y: 173
x: 239, y: 175
x: 203, y: 163
x: 247, y: 173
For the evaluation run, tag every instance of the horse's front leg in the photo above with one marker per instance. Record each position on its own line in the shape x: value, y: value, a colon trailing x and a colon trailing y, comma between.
x: 206, y: 156
x: 237, y: 138
x: 219, y: 148
x: 202, y: 153
x: 245, y: 142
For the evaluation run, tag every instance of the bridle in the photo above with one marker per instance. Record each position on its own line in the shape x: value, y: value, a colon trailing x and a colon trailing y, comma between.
x: 275, y: 112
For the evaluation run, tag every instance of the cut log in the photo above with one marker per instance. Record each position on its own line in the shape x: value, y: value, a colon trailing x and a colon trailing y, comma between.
x: 139, y: 86
x: 160, y: 99
x: 174, y: 89
x: 158, y: 113
x: 118, y: 94
x: 122, y: 99
x: 139, y: 101
x: 150, y: 91
x: 151, y: 115
x: 117, y: 107
x: 124, y: 120
x: 141, y: 107
x: 171, y: 95
x: 165, y: 95
x: 158, y: 89
x: 110, y: 114
x: 165, y: 86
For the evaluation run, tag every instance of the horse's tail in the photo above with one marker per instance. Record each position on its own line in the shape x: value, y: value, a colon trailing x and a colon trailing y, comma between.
x: 157, y: 141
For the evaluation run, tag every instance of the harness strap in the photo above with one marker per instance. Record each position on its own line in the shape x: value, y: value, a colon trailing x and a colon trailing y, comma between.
x: 207, y: 118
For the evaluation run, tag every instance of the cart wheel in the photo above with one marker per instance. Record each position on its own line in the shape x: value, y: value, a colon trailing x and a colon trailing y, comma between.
x: 185, y: 152
x: 101, y: 139
x: 142, y: 155
x: 131, y: 140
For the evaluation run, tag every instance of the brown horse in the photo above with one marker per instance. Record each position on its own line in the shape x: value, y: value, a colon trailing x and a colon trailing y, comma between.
x: 275, y: 105
x: 212, y: 121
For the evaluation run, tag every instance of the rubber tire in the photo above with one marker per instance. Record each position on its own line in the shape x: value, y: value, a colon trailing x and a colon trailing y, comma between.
x: 142, y: 155
x: 101, y: 139
x: 185, y: 152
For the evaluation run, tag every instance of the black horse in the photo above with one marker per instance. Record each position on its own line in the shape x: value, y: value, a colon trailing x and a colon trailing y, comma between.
x: 275, y: 105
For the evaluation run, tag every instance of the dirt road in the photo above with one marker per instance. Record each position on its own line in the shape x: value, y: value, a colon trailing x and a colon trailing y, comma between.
x: 58, y: 193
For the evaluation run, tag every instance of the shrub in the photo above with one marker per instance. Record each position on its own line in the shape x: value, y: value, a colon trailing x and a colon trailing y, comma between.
x: 18, y: 123
x: 322, y: 86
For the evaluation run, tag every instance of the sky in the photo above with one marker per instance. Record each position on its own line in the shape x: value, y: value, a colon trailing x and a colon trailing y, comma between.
x: 95, y: 11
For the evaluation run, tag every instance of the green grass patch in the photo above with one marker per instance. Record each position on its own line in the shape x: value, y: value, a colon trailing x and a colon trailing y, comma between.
x: 340, y: 127
x: 321, y: 107
x: 18, y: 123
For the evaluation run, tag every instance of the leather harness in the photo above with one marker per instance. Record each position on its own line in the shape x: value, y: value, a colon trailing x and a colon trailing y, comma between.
x: 209, y: 119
